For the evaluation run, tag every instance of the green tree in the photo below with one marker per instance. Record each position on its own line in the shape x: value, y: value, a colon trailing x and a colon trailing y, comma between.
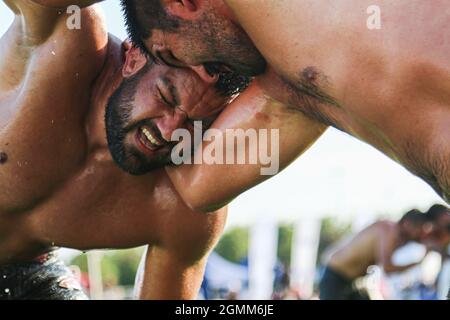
x: 118, y: 267
x: 285, y: 233
x: 233, y: 245
x: 332, y: 230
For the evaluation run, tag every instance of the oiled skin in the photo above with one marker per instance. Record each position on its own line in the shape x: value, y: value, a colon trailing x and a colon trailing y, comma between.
x: 59, y: 185
x: 375, y: 245
x: 389, y: 87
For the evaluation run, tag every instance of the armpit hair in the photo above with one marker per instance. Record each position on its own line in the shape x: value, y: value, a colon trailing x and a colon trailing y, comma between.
x: 434, y: 168
x: 308, y: 97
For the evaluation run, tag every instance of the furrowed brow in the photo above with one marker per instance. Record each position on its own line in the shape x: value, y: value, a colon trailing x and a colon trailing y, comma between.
x: 172, y: 90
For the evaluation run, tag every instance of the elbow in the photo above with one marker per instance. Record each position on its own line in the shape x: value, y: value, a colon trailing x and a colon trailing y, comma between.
x: 200, y: 205
x: 389, y: 269
x: 199, y: 202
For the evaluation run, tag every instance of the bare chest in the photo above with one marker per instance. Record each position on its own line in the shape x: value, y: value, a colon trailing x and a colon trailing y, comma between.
x: 97, y: 207
x: 42, y: 139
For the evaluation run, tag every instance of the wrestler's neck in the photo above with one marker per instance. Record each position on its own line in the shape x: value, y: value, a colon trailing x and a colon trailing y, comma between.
x: 107, y: 82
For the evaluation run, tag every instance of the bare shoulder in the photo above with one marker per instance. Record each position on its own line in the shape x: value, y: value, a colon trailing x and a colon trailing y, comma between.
x: 51, y: 38
x: 87, y: 25
x: 385, y: 227
x: 39, y: 22
x: 255, y: 12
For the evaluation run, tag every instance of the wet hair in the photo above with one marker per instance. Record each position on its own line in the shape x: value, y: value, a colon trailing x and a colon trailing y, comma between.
x: 437, y: 211
x: 142, y: 17
x: 414, y: 216
x: 230, y: 83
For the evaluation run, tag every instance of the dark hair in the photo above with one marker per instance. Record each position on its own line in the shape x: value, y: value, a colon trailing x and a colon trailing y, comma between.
x: 436, y: 211
x: 117, y: 116
x: 414, y: 216
x: 231, y: 83
x: 142, y: 16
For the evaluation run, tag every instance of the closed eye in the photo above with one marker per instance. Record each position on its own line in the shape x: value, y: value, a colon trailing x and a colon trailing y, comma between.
x: 164, y: 99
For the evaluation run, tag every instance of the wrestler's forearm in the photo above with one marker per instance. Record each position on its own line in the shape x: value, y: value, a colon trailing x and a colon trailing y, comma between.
x: 174, y: 267
x: 207, y: 187
x: 166, y: 276
x: 395, y: 268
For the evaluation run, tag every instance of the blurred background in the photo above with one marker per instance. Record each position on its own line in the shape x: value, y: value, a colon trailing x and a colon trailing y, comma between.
x: 277, y: 232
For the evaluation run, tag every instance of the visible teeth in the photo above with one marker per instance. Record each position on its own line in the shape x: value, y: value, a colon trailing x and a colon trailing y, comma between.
x: 150, y: 137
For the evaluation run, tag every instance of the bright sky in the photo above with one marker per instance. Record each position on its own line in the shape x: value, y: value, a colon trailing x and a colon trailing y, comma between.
x: 339, y: 176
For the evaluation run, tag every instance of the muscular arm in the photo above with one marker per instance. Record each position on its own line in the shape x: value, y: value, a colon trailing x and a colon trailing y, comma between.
x: 206, y: 187
x: 391, y: 268
x: 33, y: 25
x: 174, y: 268
x: 166, y: 276
x: 41, y: 15
x: 387, y: 247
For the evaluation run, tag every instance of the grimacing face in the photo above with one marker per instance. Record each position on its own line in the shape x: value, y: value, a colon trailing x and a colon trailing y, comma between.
x: 147, y: 107
x: 211, y: 40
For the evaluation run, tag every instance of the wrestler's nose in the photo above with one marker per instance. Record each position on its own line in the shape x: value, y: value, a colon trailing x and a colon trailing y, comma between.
x: 204, y: 75
x: 172, y: 122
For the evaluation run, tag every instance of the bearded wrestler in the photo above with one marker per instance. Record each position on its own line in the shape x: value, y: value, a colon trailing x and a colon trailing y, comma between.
x: 65, y: 180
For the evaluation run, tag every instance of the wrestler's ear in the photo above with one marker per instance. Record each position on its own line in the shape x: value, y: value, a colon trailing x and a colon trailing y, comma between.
x: 134, y: 62
x: 184, y: 9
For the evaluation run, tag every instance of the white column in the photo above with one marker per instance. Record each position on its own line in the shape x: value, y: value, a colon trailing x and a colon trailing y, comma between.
x: 94, y: 259
x: 305, y: 245
x: 444, y: 280
x: 262, y: 258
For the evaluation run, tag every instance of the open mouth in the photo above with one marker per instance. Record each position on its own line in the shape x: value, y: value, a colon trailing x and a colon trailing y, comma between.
x: 148, y: 139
